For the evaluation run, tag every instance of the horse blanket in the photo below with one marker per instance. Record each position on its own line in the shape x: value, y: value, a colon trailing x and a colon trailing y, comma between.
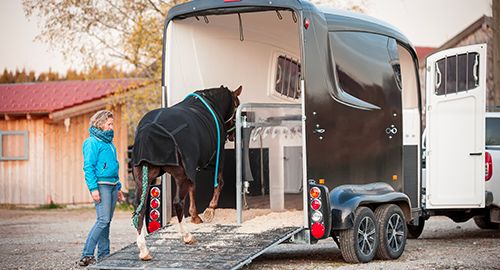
x: 187, y: 128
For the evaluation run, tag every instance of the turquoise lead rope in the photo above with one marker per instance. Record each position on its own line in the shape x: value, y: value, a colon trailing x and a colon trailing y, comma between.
x: 135, y: 218
x: 216, y: 182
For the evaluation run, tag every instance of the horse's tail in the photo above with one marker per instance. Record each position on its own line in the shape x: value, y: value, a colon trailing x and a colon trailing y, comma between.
x: 135, y: 218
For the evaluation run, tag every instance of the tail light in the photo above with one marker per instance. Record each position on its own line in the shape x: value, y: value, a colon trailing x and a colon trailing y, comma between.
x: 318, y: 230
x: 319, y: 211
x: 488, y: 166
x: 315, y: 192
x: 153, y: 216
x: 153, y: 226
x: 155, y: 192
x: 155, y: 203
x: 315, y: 204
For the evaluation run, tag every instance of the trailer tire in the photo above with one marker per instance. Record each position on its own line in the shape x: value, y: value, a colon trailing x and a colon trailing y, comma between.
x: 484, y: 222
x: 392, y: 231
x: 414, y: 231
x: 364, y: 229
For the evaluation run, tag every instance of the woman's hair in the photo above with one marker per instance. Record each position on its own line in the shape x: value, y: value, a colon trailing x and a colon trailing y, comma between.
x: 100, y: 117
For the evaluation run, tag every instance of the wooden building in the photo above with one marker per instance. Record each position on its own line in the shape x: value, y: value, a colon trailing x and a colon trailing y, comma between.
x: 42, y: 129
x: 480, y: 31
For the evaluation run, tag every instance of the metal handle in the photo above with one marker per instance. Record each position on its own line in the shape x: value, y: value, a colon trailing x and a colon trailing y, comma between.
x: 319, y: 130
x: 476, y: 70
x: 476, y: 154
x: 438, y: 76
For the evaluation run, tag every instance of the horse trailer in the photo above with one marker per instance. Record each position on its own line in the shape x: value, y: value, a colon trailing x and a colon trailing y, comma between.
x: 331, y: 113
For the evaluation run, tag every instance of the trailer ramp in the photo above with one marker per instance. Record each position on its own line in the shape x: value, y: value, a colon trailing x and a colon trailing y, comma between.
x: 220, y: 247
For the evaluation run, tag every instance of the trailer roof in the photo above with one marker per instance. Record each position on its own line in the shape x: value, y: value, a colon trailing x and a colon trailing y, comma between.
x: 337, y: 20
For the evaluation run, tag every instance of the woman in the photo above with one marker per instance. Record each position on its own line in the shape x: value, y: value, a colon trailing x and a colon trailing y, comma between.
x: 101, y: 175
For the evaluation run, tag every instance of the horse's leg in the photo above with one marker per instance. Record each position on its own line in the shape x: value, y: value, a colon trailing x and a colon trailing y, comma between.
x: 195, y: 218
x: 144, y: 253
x: 182, y: 184
x: 209, y: 213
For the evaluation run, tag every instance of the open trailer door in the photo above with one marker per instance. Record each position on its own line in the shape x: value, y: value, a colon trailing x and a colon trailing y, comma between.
x: 455, y: 93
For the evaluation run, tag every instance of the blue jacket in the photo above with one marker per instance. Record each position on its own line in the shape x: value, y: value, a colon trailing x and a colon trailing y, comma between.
x: 99, y: 163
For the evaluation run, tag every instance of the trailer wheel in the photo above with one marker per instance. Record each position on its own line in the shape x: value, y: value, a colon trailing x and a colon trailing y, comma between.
x: 414, y: 231
x: 392, y: 227
x: 484, y: 222
x: 359, y: 243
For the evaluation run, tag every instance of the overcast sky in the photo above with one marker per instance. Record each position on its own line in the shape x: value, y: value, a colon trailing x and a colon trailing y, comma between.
x: 424, y: 22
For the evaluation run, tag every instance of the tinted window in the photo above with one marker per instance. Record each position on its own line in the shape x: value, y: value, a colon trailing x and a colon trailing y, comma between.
x: 457, y: 73
x: 367, y: 65
x: 288, y: 77
x: 492, y: 131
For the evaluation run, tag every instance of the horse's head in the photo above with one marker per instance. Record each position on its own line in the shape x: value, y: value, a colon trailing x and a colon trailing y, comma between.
x: 231, y: 121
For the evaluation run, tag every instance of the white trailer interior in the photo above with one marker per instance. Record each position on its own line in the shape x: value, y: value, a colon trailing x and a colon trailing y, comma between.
x: 255, y: 50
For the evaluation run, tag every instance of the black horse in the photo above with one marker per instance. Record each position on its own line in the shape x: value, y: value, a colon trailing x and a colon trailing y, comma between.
x: 178, y: 140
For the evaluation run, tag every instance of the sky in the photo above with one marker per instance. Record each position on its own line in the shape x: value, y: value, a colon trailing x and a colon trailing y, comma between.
x: 425, y: 22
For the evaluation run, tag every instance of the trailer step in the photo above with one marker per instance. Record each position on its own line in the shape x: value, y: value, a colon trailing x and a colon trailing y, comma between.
x: 223, y: 247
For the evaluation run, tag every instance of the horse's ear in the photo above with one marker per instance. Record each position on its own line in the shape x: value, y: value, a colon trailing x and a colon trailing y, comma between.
x: 237, y: 92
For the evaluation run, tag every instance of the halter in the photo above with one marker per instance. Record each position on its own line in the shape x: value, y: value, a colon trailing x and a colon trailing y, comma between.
x: 232, y: 117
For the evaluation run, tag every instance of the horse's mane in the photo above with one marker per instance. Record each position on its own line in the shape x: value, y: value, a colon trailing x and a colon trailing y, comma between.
x: 221, y: 93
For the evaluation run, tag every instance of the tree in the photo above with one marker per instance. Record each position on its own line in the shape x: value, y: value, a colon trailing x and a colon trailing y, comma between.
x: 105, y: 31
x: 7, y: 77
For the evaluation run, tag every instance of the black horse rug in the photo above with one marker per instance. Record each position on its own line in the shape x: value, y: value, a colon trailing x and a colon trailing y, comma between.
x: 187, y: 128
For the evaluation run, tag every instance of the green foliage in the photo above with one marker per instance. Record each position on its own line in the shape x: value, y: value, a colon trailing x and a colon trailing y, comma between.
x: 51, y: 205
x: 127, y: 33
x: 93, y: 73
x: 124, y: 206
x: 137, y: 103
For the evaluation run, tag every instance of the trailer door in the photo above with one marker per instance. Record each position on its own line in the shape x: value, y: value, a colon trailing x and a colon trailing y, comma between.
x: 455, y: 93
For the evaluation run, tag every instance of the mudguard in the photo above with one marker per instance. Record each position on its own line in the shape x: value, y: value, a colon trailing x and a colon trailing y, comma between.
x: 345, y: 199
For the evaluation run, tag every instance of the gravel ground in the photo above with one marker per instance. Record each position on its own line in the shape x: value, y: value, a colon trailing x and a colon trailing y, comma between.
x: 53, y: 239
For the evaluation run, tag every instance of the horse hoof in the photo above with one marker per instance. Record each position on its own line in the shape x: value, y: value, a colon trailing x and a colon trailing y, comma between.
x: 189, y: 239
x: 209, y: 214
x: 148, y: 257
x: 196, y: 220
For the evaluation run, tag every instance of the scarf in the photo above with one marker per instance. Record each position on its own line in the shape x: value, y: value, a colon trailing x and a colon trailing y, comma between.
x: 105, y: 136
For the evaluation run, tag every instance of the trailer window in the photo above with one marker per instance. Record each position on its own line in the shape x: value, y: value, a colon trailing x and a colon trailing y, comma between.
x: 492, y: 131
x: 13, y: 145
x: 364, y: 67
x: 287, y: 77
x: 457, y: 73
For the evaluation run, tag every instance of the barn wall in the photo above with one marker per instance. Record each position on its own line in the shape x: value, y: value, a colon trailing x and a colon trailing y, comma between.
x: 22, y: 181
x: 54, y: 169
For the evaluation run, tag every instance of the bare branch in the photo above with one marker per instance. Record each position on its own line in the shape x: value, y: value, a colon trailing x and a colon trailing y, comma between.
x: 156, y: 8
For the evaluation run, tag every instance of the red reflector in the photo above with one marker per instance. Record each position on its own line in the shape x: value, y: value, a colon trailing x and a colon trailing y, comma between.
x: 489, y: 166
x: 306, y: 23
x: 155, y: 203
x: 155, y: 192
x: 153, y: 226
x: 315, y: 192
x: 315, y: 204
x: 154, y: 214
x: 317, y: 230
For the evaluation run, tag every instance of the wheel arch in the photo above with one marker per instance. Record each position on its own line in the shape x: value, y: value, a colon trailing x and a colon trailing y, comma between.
x: 345, y: 199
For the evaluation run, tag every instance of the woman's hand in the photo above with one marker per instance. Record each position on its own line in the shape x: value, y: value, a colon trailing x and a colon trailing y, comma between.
x: 96, y: 196
x: 120, y: 196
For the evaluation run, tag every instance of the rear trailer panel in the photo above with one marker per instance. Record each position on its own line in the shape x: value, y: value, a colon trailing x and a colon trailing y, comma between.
x: 218, y: 247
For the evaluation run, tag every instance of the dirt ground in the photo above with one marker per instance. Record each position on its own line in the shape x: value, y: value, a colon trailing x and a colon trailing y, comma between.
x: 53, y: 239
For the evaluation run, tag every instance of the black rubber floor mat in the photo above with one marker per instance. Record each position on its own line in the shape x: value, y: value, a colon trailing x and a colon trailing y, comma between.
x: 223, y: 247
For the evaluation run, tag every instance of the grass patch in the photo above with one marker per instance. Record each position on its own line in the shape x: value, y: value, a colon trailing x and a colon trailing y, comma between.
x: 51, y: 205
x: 124, y: 206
